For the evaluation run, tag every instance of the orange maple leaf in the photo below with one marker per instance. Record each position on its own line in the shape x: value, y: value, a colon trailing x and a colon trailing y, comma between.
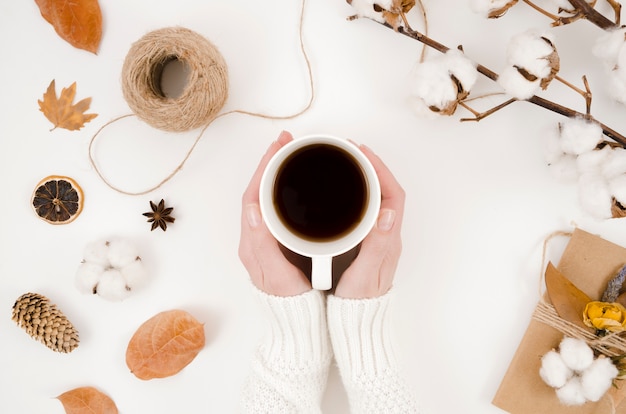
x: 77, y: 22
x: 61, y: 112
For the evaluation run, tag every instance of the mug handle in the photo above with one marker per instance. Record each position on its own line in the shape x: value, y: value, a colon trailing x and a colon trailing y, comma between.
x: 322, y: 272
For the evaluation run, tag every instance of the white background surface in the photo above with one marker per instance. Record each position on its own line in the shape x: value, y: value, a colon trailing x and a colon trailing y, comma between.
x: 480, y: 199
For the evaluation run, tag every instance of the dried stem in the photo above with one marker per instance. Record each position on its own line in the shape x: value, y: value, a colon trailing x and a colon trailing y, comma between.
x: 481, y: 115
x: 586, y: 94
x: 536, y: 100
x: 542, y: 11
x: 586, y: 11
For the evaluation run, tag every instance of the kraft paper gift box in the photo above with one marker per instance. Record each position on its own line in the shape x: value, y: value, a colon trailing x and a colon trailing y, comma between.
x: 589, y: 262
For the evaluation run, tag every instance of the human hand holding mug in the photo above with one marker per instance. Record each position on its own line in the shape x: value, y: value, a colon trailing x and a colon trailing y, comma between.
x: 319, y: 196
x: 259, y: 252
x: 371, y: 274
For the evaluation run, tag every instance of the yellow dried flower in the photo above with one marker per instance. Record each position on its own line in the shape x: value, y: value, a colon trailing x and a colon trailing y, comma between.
x: 605, y: 316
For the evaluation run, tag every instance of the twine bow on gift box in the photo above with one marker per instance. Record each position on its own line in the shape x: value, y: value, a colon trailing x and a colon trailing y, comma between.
x: 600, y: 324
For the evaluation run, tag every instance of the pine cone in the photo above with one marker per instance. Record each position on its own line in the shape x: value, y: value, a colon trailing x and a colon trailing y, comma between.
x: 44, y: 322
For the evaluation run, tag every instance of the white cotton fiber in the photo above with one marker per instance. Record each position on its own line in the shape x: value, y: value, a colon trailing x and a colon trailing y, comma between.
x: 553, y: 370
x: 576, y: 354
x: 529, y: 51
x: 617, y: 85
x: 572, y: 392
x: 552, y: 143
x: 597, y: 379
x: 134, y: 274
x: 593, y: 161
x: 433, y: 84
x: 617, y: 188
x: 594, y: 195
x: 112, y: 286
x: 615, y: 163
x: 97, y: 252
x: 111, y: 268
x: 565, y: 168
x: 579, y: 135
x: 461, y: 67
x: 121, y: 252
x: 608, y: 45
x: 516, y: 85
x: 87, y: 277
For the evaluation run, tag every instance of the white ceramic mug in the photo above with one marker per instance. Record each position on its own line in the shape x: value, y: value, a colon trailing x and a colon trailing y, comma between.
x: 321, y: 251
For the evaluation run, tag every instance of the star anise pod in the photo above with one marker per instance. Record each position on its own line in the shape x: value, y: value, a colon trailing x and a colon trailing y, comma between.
x: 160, y: 215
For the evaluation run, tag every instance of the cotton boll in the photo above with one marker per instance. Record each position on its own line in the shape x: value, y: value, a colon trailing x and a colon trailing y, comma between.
x: 594, y: 195
x: 607, y: 47
x: 516, y: 85
x: 134, y: 274
x: 618, y: 77
x: 598, y: 378
x: 572, y: 392
x: 421, y: 109
x: 462, y: 68
x: 110, y: 268
x: 617, y: 86
x: 579, y: 135
x: 87, y: 277
x: 615, y: 164
x: 97, y: 252
x: 553, y: 370
x: 121, y: 252
x: 112, y: 286
x: 617, y: 187
x: 576, y: 354
x: 530, y: 50
x: 433, y: 84
x: 593, y: 161
x: 565, y: 168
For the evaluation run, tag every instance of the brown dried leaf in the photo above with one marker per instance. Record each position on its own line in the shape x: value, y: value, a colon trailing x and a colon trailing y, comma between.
x: 87, y: 400
x: 164, y: 345
x: 567, y: 299
x: 617, y: 209
x: 61, y: 112
x: 77, y: 22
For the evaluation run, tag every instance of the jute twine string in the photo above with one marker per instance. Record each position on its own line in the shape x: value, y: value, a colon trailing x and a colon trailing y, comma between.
x: 201, y: 101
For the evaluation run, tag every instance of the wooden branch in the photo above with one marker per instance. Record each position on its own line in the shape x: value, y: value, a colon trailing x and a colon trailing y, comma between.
x: 589, y: 13
x: 536, y: 100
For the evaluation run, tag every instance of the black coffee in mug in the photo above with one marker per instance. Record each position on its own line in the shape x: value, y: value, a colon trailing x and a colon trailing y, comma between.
x: 320, y: 192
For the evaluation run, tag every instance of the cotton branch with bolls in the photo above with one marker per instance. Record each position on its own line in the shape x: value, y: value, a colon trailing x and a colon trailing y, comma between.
x: 580, y: 147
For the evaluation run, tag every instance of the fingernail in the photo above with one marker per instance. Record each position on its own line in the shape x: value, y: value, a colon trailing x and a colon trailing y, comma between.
x: 386, y: 220
x: 253, y: 215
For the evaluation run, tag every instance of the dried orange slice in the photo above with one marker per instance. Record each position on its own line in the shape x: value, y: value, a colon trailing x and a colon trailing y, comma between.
x: 58, y: 199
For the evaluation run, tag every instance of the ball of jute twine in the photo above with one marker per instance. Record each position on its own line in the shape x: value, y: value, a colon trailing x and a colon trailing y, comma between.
x: 206, y: 89
x: 208, y: 107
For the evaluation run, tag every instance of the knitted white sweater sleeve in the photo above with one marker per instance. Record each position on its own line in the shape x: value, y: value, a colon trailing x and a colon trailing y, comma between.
x: 359, y: 332
x: 290, y: 367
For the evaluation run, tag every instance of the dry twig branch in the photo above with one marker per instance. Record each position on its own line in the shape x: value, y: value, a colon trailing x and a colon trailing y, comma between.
x: 536, y: 100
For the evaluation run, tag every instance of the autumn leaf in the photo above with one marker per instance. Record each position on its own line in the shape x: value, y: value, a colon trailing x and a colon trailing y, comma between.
x: 61, y: 112
x: 567, y: 299
x: 164, y: 345
x: 78, y: 22
x: 87, y: 400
